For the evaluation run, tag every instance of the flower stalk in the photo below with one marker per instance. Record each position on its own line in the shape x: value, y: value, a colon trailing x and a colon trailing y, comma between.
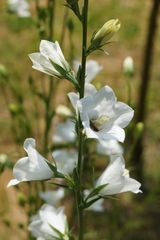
x: 48, y: 113
x: 80, y: 134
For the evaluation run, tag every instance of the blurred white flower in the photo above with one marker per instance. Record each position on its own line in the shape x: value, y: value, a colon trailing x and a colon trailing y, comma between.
x: 49, y: 223
x: 3, y: 158
x: 63, y: 111
x: 20, y: 7
x: 96, y: 206
x: 33, y: 167
x: 128, y: 65
x: 52, y: 197
x: 66, y: 160
x: 103, y: 117
x: 117, y: 178
x: 92, y: 69
x: 64, y: 132
x: 50, y: 60
x: 109, y: 147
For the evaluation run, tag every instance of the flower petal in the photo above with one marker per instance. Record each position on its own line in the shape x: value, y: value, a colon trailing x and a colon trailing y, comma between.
x: 124, y: 113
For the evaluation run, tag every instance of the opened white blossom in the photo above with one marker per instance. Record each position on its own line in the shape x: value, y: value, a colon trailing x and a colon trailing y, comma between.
x: 103, y: 117
x: 109, y: 147
x: 50, y: 60
x: 64, y: 132
x: 49, y: 223
x: 20, y: 7
x: 66, y: 160
x: 52, y: 197
x: 117, y: 179
x: 30, y: 168
x: 92, y: 69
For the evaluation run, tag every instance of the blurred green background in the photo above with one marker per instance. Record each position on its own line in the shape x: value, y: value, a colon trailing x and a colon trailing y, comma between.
x: 129, y: 217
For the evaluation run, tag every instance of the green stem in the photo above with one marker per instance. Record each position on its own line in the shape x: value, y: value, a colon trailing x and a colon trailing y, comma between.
x: 80, y: 128
x: 51, y: 12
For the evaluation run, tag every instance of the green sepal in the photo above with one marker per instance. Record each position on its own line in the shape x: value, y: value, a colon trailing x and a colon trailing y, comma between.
x: 88, y: 204
x: 64, y: 73
x: 96, y: 191
x: 73, y: 5
x: 58, y: 232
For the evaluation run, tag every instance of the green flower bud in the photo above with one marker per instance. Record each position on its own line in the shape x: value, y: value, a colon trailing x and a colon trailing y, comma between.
x: 14, y: 108
x: 139, y: 129
x: 105, y: 33
x: 3, y: 71
x: 21, y: 199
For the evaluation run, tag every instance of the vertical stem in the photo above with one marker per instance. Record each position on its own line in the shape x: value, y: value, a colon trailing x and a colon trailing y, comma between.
x: 51, y: 11
x: 80, y: 128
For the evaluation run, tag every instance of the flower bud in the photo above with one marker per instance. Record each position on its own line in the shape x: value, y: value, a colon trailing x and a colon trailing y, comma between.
x: 105, y: 33
x: 21, y: 199
x: 14, y: 108
x: 3, y: 158
x: 128, y: 66
x: 139, y: 129
x: 3, y: 71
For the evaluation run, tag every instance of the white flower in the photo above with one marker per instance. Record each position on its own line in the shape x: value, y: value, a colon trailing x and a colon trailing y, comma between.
x: 128, y: 65
x: 50, y: 60
x: 21, y: 7
x: 102, y: 116
x: 109, y: 147
x: 74, y: 97
x: 33, y: 167
x: 63, y: 111
x: 96, y: 206
x: 92, y: 69
x: 52, y: 197
x: 66, y: 160
x: 117, y: 178
x: 48, y: 223
x: 64, y: 132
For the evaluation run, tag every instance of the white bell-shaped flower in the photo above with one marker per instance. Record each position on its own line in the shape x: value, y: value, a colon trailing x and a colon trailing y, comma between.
x: 102, y: 116
x: 117, y: 179
x: 52, y: 197
x: 49, y: 223
x: 20, y: 7
x: 50, y: 60
x: 64, y: 132
x: 30, y: 168
x: 66, y: 160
